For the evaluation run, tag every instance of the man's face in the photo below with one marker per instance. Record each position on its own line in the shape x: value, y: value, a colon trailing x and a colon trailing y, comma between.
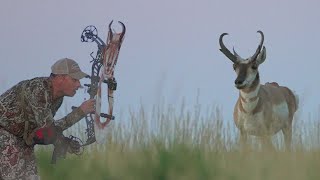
x: 69, y: 85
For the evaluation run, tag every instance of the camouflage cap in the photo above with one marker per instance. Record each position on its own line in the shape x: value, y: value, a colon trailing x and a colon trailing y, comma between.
x: 69, y: 67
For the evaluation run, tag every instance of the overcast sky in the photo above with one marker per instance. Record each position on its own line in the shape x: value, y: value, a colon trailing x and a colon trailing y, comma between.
x: 171, y: 47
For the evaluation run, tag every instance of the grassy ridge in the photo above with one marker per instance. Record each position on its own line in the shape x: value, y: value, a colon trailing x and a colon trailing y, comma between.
x: 182, y: 162
x: 170, y: 144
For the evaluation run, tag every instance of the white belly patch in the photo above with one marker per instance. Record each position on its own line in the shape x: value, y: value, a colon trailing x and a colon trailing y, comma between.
x: 257, y: 124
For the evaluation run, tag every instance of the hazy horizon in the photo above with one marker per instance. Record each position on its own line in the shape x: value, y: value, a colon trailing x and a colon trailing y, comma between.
x: 170, y: 51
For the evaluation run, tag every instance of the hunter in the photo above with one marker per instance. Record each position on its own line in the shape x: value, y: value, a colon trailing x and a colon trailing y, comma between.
x: 26, y: 117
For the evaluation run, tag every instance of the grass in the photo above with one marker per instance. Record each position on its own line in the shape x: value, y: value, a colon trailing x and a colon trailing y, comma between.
x: 167, y: 144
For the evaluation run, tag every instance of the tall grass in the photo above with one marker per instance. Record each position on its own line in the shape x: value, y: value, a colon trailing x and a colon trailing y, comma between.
x: 167, y: 142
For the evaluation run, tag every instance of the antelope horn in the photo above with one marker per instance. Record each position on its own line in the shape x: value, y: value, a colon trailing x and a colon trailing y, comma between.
x: 254, y: 57
x: 110, y: 30
x: 236, y: 54
x: 110, y: 25
x: 123, y: 29
x: 262, y: 56
x: 225, y: 51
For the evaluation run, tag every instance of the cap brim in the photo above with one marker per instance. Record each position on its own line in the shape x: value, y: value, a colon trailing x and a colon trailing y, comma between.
x: 78, y: 75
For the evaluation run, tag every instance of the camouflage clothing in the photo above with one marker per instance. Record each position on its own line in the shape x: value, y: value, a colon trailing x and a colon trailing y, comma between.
x: 29, y: 101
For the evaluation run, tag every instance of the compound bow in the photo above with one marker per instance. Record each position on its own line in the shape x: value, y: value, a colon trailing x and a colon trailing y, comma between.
x: 106, y: 58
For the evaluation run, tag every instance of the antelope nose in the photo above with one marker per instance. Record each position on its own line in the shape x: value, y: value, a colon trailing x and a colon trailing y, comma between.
x: 238, y: 81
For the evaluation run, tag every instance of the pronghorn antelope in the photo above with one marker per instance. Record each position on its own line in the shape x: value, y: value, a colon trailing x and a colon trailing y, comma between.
x: 261, y: 110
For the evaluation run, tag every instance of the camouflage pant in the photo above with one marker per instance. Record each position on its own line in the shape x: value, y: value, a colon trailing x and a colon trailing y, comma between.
x: 17, y: 160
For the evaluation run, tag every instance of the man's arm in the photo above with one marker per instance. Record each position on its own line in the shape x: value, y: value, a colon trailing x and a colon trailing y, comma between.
x: 70, y: 119
x: 38, y: 96
x: 38, y: 114
x: 76, y: 115
x: 39, y: 99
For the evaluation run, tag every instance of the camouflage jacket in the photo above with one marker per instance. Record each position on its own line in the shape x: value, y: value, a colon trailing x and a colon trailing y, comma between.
x: 31, y: 101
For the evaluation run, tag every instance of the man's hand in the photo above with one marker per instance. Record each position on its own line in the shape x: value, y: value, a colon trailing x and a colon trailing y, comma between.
x: 88, y: 106
x: 46, y: 135
x: 63, y: 145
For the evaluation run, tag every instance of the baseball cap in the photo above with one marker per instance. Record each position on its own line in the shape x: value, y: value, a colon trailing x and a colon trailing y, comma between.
x: 69, y: 67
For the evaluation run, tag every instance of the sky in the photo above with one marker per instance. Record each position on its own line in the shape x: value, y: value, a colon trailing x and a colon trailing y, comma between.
x: 171, y: 50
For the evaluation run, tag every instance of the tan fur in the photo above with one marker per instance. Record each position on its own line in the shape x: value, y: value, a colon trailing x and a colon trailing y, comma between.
x: 269, y: 96
x: 265, y: 120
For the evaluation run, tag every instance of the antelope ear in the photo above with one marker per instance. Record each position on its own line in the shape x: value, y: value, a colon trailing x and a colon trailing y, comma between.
x: 262, y: 56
